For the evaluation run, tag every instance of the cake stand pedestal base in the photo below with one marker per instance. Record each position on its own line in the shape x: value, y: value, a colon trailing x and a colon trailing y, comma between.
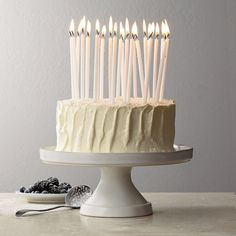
x: 116, y: 196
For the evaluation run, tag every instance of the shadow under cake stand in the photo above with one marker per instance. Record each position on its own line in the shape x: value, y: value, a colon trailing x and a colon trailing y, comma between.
x: 116, y: 195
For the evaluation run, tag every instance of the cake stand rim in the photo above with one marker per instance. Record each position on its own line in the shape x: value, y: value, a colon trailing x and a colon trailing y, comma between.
x: 181, y: 154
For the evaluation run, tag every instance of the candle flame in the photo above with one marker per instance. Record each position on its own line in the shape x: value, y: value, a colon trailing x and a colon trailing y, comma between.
x: 144, y: 28
x: 104, y: 31
x: 72, y: 27
x: 121, y: 26
x: 83, y: 24
x: 110, y: 25
x: 157, y: 30
x: 88, y: 28
x: 127, y: 27
x: 167, y: 28
x: 134, y: 30
x: 163, y: 28
x: 115, y: 28
x: 150, y: 30
x: 97, y: 27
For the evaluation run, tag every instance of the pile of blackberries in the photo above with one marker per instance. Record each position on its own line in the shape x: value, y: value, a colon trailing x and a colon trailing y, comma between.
x: 50, y: 185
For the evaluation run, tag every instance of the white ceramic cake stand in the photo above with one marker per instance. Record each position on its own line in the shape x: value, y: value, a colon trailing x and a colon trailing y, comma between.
x: 116, y: 195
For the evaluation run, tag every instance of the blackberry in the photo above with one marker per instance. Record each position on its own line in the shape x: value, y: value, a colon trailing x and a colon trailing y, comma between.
x: 53, y: 180
x: 22, y: 189
x: 36, y: 191
x: 42, y: 185
x: 53, y: 189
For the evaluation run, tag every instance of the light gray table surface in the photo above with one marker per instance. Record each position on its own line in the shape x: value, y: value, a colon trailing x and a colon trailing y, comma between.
x: 174, y: 214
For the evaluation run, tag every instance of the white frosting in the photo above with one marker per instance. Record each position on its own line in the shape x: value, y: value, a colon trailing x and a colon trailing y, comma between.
x: 103, y: 127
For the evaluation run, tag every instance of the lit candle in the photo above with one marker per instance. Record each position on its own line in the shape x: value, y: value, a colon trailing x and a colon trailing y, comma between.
x: 145, y: 35
x: 96, y: 63
x: 161, y: 65
x: 122, y: 60
x: 114, y: 53
x: 118, y: 78
x: 110, y: 56
x: 82, y: 69
x: 130, y: 65
x: 72, y: 57
x: 77, y: 62
x: 126, y: 59
x: 135, y: 85
x: 102, y: 62
x: 166, y: 37
x: 140, y: 62
x: 147, y: 77
x: 87, y: 61
x: 155, y: 60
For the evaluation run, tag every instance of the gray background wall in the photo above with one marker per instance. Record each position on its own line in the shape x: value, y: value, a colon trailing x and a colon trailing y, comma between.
x: 34, y: 74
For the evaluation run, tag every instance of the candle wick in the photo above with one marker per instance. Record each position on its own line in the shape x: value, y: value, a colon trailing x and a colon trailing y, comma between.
x: 71, y: 33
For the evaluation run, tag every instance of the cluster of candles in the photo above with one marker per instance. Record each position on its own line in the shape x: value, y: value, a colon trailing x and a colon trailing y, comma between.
x: 124, y: 60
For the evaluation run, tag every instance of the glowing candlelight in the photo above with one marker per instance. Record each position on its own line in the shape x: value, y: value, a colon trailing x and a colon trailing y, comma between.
x: 126, y: 59
x: 110, y: 55
x: 102, y: 62
x: 72, y: 57
x: 96, y: 63
x: 82, y: 69
x: 87, y: 61
x: 166, y: 37
x: 155, y: 60
x: 135, y: 83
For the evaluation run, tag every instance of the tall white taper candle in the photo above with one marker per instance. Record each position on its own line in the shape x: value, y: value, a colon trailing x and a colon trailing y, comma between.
x: 147, y: 74
x: 110, y: 56
x: 167, y: 33
x: 118, y: 79
x: 96, y: 63
x: 155, y: 60
x: 127, y: 99
x: 126, y: 59
x: 140, y: 63
x: 114, y: 54
x: 72, y: 57
x: 82, y: 60
x: 77, y: 80
x: 161, y: 65
x: 102, y: 62
x: 135, y: 82
x: 87, y: 61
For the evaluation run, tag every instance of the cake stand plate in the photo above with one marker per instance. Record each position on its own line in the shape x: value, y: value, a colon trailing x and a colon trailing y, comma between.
x: 116, y: 195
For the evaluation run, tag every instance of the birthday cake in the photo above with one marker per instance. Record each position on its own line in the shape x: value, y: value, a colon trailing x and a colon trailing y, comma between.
x: 102, y: 127
x: 121, y: 122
